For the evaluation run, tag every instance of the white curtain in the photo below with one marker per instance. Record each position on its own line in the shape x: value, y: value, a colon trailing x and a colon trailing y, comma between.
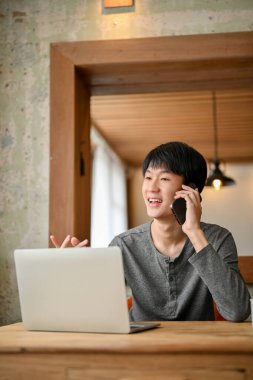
x: 109, y: 198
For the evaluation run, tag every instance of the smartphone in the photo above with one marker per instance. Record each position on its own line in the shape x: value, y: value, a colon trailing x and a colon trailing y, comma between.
x: 178, y: 207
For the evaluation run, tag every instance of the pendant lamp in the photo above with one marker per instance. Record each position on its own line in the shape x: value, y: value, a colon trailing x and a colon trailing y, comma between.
x: 217, y: 178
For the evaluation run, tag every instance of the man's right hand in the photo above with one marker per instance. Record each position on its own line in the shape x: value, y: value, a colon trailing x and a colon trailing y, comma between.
x: 69, y: 241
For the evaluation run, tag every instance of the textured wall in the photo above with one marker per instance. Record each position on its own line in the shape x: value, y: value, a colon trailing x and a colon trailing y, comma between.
x: 27, y: 27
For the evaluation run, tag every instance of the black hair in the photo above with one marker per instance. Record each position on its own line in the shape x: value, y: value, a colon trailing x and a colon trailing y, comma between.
x: 178, y: 158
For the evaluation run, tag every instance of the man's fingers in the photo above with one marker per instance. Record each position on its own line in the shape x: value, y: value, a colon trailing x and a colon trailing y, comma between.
x: 83, y: 243
x: 77, y: 243
x: 65, y: 242
x: 192, y: 196
x: 74, y: 241
x: 54, y: 241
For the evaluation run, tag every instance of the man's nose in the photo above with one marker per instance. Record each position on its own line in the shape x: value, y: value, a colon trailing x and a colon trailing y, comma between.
x: 154, y: 186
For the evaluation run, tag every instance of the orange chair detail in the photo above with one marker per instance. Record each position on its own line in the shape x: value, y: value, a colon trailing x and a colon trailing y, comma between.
x: 217, y: 315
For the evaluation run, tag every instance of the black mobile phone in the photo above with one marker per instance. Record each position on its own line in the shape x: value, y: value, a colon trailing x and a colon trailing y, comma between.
x: 178, y: 207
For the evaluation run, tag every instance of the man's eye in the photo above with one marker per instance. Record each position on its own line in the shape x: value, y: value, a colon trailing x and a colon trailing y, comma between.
x: 147, y: 177
x: 165, y: 179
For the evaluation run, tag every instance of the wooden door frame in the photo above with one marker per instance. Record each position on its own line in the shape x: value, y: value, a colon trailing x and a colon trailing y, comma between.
x: 81, y: 69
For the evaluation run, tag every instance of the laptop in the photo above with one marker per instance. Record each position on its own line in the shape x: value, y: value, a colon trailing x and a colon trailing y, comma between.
x: 74, y: 289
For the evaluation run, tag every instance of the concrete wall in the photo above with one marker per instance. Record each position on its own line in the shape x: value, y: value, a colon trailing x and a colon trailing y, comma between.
x: 27, y: 27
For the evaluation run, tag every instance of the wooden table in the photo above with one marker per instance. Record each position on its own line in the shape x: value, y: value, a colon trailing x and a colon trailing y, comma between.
x: 174, y: 351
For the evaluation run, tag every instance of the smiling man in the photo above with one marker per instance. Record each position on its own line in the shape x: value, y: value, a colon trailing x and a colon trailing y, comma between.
x: 176, y: 271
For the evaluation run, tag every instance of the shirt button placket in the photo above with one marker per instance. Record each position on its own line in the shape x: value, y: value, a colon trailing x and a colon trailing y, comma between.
x: 172, y: 290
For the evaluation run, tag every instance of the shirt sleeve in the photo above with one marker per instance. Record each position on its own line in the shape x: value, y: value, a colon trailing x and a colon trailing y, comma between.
x: 116, y: 242
x: 217, y: 265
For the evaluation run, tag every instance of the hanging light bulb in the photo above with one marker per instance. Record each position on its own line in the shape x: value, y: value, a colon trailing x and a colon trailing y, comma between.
x: 217, y: 184
x: 217, y: 178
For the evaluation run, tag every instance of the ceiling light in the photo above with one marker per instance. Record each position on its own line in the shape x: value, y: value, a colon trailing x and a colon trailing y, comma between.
x: 217, y: 178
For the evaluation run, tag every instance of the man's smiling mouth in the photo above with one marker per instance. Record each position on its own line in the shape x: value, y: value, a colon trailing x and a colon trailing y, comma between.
x: 154, y: 200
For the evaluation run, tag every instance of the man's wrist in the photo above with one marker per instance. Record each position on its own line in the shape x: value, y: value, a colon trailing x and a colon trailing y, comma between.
x: 198, y: 239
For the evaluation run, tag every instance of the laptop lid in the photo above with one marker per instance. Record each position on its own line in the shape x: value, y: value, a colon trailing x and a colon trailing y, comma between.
x: 73, y: 289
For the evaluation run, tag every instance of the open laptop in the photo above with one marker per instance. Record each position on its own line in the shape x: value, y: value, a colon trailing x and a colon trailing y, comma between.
x: 74, y: 289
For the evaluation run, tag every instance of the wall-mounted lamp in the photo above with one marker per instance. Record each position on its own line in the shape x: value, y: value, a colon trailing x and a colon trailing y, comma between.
x: 117, y: 3
x: 217, y: 178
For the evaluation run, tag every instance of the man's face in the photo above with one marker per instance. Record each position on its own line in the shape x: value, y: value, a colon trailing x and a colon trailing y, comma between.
x: 158, y: 190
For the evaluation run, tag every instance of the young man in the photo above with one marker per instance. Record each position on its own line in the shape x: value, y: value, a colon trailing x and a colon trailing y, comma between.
x: 175, y: 271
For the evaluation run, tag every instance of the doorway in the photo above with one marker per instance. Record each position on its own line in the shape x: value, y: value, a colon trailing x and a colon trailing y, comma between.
x: 144, y: 65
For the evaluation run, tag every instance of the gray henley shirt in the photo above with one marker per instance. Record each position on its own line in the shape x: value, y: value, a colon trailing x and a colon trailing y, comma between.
x: 183, y: 289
